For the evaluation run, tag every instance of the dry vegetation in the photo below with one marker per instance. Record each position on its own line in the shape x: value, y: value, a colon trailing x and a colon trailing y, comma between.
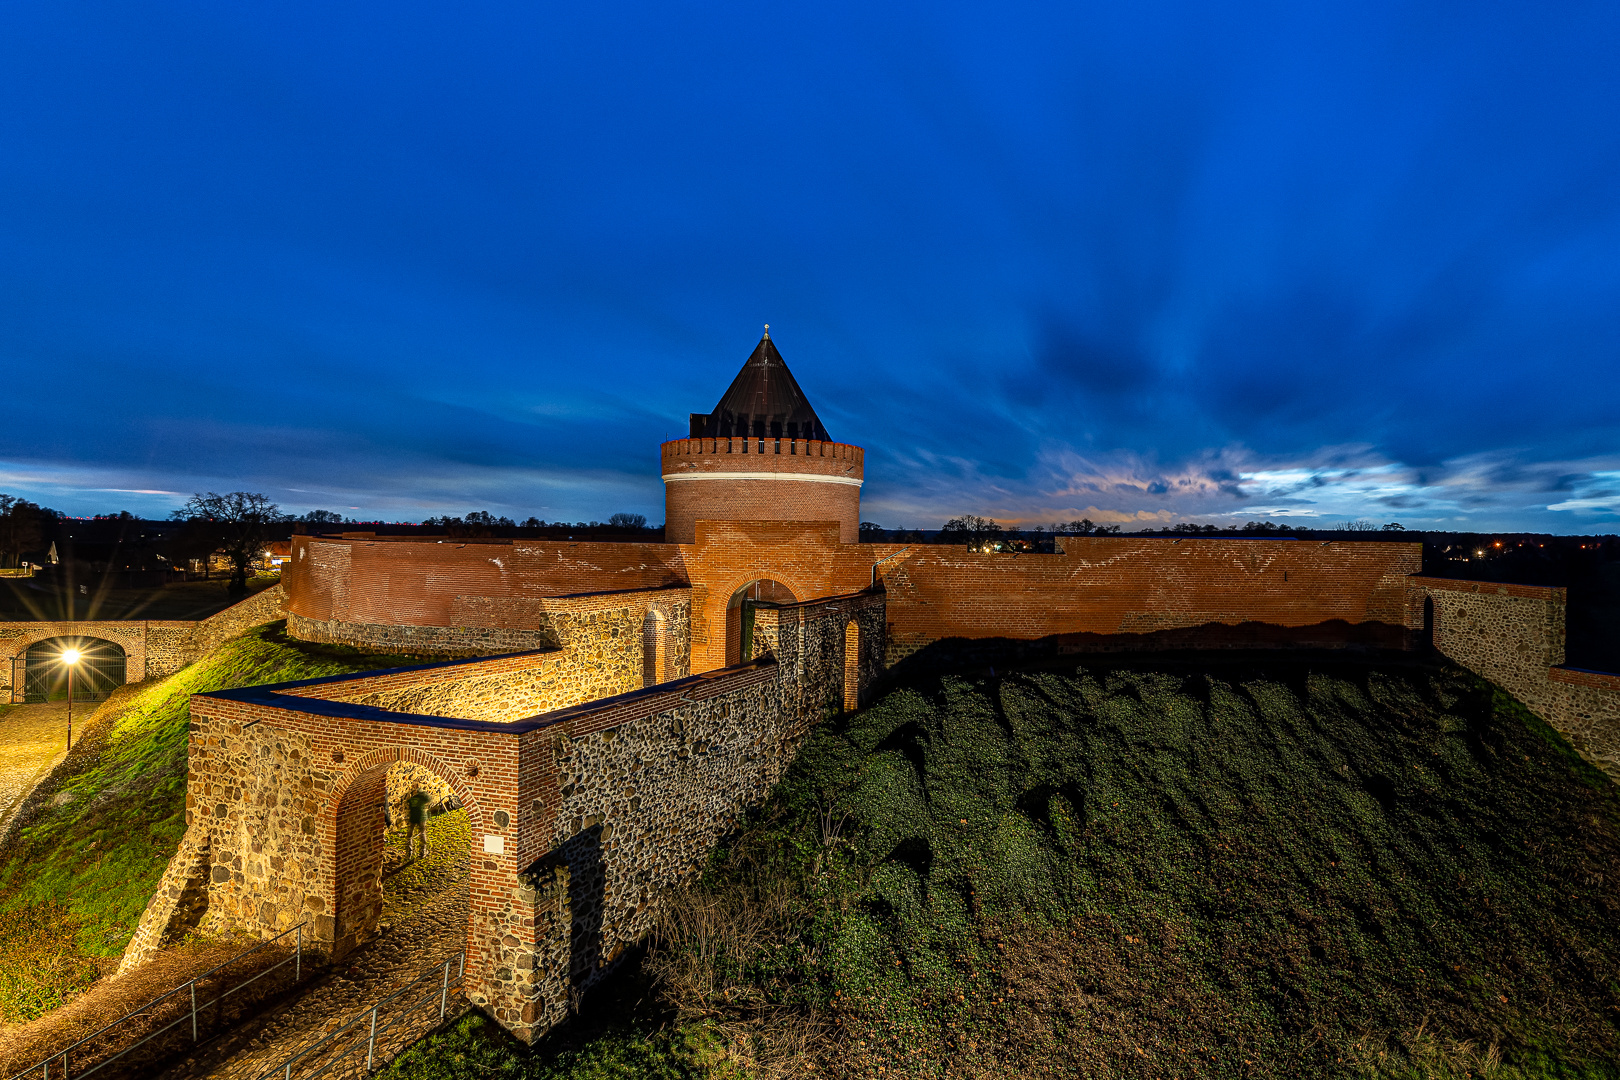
x: 119, y: 996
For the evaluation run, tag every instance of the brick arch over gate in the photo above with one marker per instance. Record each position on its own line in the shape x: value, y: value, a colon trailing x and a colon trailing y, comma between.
x: 716, y: 610
x: 352, y: 830
x: 17, y: 638
x: 277, y: 772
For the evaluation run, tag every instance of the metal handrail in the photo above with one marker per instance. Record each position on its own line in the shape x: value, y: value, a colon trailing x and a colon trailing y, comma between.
x: 296, y: 959
x: 285, y: 1069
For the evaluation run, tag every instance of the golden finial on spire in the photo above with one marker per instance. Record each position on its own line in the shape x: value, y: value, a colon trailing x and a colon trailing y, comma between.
x: 767, y: 331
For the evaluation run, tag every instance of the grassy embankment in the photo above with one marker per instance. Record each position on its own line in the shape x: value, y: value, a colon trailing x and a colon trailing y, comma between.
x: 74, y: 884
x: 1235, y: 868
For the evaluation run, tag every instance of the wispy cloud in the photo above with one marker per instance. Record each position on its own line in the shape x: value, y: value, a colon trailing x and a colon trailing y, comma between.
x: 1233, y: 485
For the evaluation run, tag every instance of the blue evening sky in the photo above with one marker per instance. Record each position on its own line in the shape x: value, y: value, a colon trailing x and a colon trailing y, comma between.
x: 1139, y: 262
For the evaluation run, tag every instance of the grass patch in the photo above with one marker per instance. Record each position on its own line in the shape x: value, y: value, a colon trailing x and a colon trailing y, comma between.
x: 83, y: 868
x: 616, y: 1047
x: 1296, y: 867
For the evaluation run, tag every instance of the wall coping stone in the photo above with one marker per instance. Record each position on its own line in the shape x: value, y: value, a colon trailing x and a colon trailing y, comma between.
x: 1601, y: 680
x: 694, y: 688
x: 1551, y: 593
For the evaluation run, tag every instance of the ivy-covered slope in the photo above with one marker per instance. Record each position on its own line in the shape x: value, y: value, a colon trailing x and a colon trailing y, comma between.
x: 1307, y: 866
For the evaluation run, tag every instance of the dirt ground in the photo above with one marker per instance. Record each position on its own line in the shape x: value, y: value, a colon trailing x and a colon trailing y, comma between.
x: 33, y: 738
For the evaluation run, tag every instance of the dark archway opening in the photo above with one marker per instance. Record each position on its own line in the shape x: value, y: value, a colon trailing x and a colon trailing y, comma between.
x: 740, y: 614
x: 384, y: 877
x: 100, y: 669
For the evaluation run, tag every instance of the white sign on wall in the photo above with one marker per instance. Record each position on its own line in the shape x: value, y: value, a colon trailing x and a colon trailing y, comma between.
x: 494, y: 845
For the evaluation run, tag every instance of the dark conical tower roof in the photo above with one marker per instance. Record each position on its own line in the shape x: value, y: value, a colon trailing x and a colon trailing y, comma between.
x: 764, y: 400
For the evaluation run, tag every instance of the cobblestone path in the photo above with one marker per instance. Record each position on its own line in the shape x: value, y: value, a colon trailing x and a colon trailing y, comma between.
x: 425, y: 905
x: 32, y: 739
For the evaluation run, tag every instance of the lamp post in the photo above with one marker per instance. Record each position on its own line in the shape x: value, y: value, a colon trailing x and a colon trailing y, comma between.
x: 70, y: 657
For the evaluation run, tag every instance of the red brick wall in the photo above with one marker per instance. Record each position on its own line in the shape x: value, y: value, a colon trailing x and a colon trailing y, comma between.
x: 1110, y: 586
x: 410, y: 582
x: 1097, y: 585
x: 686, y: 502
x: 1105, y: 586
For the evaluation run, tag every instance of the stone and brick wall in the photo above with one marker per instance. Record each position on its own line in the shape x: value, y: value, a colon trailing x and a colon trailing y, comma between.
x: 812, y: 636
x: 580, y: 817
x: 477, y: 597
x: 1513, y: 635
x: 153, y: 649
x: 760, y: 479
x: 597, y: 641
x: 17, y: 637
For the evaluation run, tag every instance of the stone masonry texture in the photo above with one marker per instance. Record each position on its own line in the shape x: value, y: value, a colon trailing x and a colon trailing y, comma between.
x: 152, y: 649
x: 1513, y: 635
x: 582, y: 817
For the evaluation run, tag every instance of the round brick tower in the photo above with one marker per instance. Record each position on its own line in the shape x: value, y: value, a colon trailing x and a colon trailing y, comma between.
x: 761, y: 455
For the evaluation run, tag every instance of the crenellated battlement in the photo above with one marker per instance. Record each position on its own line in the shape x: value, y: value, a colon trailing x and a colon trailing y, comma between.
x: 681, y: 451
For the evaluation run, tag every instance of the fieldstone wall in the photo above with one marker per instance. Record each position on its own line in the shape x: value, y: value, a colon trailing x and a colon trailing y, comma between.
x: 554, y: 683
x: 811, y: 638
x: 604, y: 629
x: 265, y: 606
x: 178, y: 905
x: 420, y: 640
x: 289, y: 804
x: 153, y: 649
x: 170, y: 647
x: 1513, y: 635
x: 581, y: 817
x: 638, y: 808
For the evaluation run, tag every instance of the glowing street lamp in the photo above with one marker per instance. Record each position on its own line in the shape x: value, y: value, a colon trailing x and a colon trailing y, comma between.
x: 70, y: 657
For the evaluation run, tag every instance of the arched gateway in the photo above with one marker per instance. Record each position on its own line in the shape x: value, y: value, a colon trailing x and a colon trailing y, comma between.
x: 354, y: 822
x: 581, y: 815
x: 97, y: 668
